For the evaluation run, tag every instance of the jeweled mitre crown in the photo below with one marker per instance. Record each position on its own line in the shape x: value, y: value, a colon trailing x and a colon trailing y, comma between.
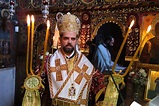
x: 68, y: 23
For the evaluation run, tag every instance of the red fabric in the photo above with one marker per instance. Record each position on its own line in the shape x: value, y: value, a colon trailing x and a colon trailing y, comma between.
x: 98, y: 82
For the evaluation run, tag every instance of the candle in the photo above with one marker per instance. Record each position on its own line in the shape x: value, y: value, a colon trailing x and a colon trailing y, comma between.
x: 32, y: 37
x: 150, y: 36
x: 27, y: 56
x: 55, y: 37
x: 122, y: 45
x: 45, y: 44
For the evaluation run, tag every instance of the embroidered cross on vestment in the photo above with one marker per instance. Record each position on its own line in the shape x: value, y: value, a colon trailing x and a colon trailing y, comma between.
x: 58, y: 68
x: 82, y: 73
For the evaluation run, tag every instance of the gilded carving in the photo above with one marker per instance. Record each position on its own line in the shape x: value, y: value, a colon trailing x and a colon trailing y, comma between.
x: 100, y: 18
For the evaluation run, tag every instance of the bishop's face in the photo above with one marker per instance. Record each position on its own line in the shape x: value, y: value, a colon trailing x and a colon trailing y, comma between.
x: 68, y: 42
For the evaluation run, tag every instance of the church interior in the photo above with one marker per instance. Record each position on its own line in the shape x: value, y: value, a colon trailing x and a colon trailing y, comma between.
x: 134, y: 24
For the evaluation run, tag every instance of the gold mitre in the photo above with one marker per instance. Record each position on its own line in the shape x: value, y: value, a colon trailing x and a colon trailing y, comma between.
x: 68, y: 23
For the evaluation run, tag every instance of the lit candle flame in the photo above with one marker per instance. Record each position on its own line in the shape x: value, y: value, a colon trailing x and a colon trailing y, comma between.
x: 32, y: 18
x: 28, y: 20
x: 48, y: 24
x: 132, y: 23
x: 148, y: 29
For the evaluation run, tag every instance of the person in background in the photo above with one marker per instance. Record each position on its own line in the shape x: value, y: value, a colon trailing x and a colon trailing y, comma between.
x: 103, y: 63
x: 69, y: 71
x: 102, y: 58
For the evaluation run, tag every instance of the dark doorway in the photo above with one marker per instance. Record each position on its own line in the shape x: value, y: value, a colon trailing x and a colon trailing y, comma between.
x: 115, y: 31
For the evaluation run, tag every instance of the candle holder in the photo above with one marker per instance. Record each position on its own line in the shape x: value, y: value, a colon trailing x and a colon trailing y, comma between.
x: 45, y: 9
